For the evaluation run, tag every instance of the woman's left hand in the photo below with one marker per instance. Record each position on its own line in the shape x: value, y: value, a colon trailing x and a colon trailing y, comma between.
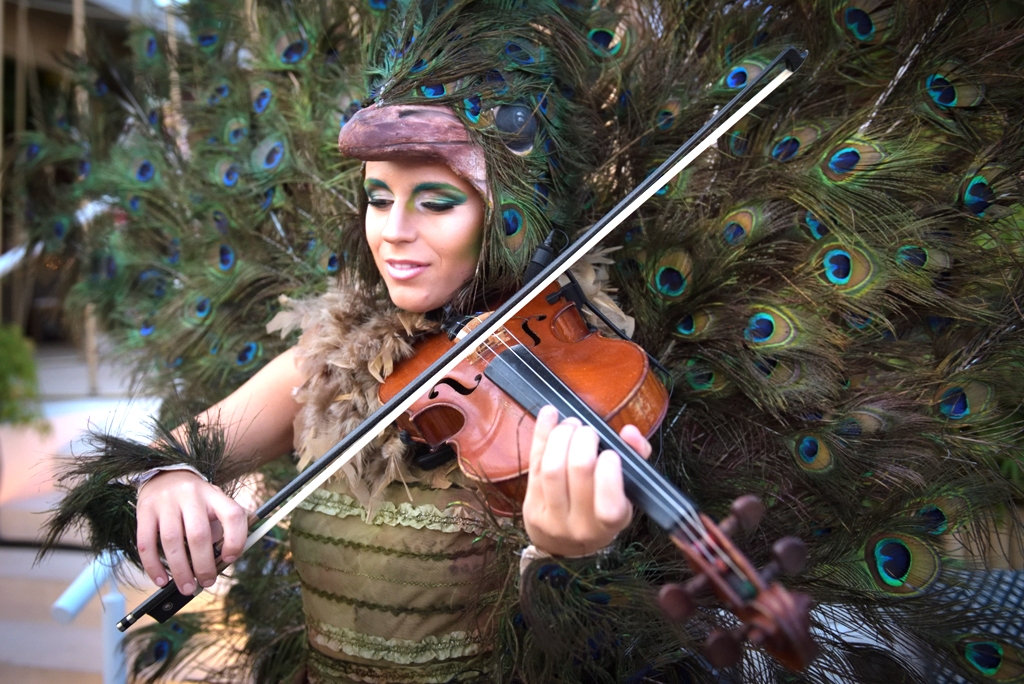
x: 575, y: 503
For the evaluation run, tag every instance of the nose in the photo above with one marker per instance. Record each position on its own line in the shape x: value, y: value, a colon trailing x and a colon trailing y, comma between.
x: 400, y: 226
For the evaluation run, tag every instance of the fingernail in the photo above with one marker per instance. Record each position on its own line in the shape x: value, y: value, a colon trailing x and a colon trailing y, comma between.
x: 160, y: 581
x: 187, y: 588
x: 229, y: 559
x: 207, y: 583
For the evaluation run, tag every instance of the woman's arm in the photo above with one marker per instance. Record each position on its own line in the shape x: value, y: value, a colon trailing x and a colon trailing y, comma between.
x: 186, y: 514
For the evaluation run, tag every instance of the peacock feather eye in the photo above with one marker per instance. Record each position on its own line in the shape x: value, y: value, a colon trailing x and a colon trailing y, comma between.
x: 218, y: 93
x: 150, y: 48
x: 267, y: 198
x: 966, y: 401
x: 668, y: 114
x: 523, y: 52
x: 135, y: 205
x: 496, y: 82
x: 945, y: 89
x: 208, y: 36
x: 84, y: 169
x: 290, y: 49
x: 810, y: 223
x: 997, y: 660
x: 609, y: 42
x: 849, y: 269
x: 203, y: 307
x: 268, y: 155
x: 770, y: 327
x: 900, y: 564
x: 671, y: 275
x: 850, y: 159
x: 249, y: 353
x: 153, y: 117
x: 793, y: 144
x: 694, y: 324
x: 812, y: 454
x: 513, y: 220
x: 59, y: 228
x: 226, y: 173
x: 262, y: 95
x: 865, y: 21
x: 173, y: 251
x: 378, y: 5
x: 31, y: 151
x: 912, y: 256
x: 433, y: 91
x: 738, y: 225
x: 740, y: 75
x: 870, y: 420
x: 701, y: 377
x: 225, y: 258
x: 220, y: 221
x: 147, y: 328
x: 100, y: 87
x: 934, y: 519
x: 143, y: 170
x: 471, y: 108
x: 738, y: 142
x: 333, y: 263
x: 978, y: 195
x: 236, y: 130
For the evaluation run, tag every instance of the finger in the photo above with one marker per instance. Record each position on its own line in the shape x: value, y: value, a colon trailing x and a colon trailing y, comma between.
x: 580, y: 464
x: 146, y: 539
x: 634, y: 438
x: 200, y: 545
x: 172, y: 538
x: 234, y: 521
x: 547, y: 419
x: 554, y: 483
x: 611, y: 507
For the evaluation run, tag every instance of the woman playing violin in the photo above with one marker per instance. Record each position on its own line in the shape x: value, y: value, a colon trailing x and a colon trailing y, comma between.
x: 424, y: 226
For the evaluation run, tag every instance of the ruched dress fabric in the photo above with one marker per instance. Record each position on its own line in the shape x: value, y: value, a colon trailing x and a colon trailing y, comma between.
x: 394, y: 598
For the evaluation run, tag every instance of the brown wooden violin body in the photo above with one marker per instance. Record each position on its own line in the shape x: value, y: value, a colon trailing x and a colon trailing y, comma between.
x: 490, y: 432
x: 611, y: 379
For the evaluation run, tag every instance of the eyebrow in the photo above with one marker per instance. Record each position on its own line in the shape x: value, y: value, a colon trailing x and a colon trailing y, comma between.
x: 445, y: 187
x: 374, y: 183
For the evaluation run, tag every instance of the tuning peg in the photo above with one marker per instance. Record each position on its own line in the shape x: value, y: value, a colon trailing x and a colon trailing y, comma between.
x: 790, y: 554
x: 745, y: 514
x: 723, y: 649
x: 676, y: 602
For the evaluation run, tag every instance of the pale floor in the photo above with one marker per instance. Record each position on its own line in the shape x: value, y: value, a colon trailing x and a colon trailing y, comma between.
x: 34, y: 648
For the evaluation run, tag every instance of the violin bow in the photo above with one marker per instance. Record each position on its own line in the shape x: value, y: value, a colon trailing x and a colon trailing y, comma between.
x: 163, y: 604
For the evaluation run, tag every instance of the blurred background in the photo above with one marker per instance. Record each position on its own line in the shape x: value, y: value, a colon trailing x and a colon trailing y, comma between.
x: 53, y: 384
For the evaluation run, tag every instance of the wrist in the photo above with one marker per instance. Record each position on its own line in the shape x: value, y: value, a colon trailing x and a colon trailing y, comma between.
x: 139, y: 480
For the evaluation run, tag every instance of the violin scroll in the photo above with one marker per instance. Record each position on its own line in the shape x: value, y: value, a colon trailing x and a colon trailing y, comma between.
x: 772, y: 617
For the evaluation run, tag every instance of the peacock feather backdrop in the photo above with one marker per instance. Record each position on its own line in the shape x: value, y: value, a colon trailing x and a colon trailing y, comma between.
x: 835, y: 289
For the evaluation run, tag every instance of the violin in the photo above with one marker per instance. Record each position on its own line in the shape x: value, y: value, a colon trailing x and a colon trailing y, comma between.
x: 485, y: 409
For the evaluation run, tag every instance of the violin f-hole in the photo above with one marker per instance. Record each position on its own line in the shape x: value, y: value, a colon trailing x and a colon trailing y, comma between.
x: 526, y: 328
x: 457, y: 386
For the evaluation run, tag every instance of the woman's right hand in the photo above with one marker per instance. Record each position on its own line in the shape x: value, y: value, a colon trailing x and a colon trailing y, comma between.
x: 187, y: 516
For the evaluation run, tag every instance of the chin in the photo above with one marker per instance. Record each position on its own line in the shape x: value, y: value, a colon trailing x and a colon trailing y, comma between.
x: 413, y: 302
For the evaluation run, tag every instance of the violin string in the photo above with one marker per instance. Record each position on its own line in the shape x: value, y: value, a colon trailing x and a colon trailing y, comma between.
x: 695, y: 530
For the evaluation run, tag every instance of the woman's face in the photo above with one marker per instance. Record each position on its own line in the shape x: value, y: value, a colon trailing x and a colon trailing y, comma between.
x: 424, y: 225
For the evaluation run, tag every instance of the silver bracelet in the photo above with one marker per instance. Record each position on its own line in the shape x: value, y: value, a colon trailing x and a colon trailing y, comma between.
x: 138, y: 480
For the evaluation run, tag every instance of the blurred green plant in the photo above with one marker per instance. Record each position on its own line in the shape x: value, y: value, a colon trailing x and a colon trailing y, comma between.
x: 19, y: 389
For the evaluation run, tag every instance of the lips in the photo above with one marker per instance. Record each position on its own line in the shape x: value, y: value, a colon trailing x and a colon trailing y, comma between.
x: 399, y: 269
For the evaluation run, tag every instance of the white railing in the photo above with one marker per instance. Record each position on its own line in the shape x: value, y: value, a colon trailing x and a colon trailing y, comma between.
x: 88, y: 584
